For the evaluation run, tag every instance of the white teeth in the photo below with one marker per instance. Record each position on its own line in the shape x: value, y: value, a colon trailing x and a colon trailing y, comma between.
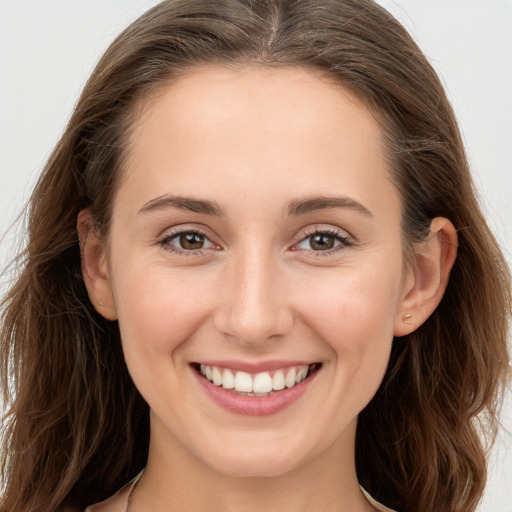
x: 216, y: 376
x: 301, y: 375
x: 243, y: 382
x: 260, y: 384
x: 289, y: 380
x: 278, y: 380
x: 228, y: 380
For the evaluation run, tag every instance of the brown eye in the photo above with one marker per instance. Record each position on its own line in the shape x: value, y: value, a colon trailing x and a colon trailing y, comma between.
x: 187, y: 241
x: 322, y: 242
x: 191, y: 241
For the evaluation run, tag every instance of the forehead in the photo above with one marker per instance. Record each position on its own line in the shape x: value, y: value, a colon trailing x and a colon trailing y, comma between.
x: 281, y: 99
x: 288, y: 128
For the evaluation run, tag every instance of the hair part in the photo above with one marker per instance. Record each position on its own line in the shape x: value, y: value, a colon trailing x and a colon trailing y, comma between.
x: 77, y: 429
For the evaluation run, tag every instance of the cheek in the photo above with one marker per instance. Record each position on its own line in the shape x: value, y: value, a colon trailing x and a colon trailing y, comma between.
x: 357, y: 301
x: 158, y: 310
x: 350, y: 311
x: 353, y: 313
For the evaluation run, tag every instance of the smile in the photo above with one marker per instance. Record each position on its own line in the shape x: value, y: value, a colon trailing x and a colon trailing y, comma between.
x: 249, y: 392
x: 259, y: 384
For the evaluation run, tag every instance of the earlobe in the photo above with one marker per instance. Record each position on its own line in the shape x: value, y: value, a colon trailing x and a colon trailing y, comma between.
x: 94, y: 266
x: 427, y: 276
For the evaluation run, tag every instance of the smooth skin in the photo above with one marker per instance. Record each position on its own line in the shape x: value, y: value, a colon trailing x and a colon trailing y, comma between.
x: 259, y: 272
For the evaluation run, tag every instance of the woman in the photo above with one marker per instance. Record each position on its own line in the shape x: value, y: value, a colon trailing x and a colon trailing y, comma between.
x: 250, y: 277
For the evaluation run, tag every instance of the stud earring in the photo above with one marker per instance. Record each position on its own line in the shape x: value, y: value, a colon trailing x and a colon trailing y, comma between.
x: 101, y: 303
x: 407, y: 318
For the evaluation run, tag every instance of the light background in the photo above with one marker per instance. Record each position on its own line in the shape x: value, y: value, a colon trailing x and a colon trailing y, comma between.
x: 48, y: 48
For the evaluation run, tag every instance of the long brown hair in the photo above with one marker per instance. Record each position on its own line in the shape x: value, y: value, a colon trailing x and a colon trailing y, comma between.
x: 76, y: 427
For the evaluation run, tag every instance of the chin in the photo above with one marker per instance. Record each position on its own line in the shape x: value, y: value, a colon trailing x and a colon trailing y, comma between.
x: 260, y: 468
x: 261, y: 459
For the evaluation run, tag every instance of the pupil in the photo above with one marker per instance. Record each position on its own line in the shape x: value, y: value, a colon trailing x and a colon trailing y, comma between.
x: 191, y: 241
x: 322, y: 242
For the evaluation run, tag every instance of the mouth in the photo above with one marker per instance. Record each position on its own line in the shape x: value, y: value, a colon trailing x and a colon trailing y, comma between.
x: 262, y: 384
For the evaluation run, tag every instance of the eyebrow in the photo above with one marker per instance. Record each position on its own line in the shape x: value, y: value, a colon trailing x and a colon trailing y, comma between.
x: 294, y: 208
x: 183, y: 203
x: 304, y: 206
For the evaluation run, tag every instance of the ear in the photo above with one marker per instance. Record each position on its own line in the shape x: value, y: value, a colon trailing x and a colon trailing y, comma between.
x: 94, y: 266
x: 426, y: 276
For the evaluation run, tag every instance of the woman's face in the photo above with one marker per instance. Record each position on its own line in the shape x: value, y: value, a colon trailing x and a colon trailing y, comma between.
x: 256, y: 238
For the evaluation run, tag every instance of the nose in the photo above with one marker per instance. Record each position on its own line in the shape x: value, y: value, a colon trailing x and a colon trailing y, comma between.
x: 254, y: 304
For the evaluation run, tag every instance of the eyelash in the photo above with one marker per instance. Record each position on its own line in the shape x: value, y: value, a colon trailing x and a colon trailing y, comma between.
x: 344, y: 242
x: 165, y: 242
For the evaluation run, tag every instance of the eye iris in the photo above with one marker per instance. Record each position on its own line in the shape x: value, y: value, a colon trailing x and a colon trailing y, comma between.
x: 322, y: 242
x: 191, y: 241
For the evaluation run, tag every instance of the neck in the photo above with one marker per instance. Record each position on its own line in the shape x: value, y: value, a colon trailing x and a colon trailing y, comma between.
x: 176, y: 480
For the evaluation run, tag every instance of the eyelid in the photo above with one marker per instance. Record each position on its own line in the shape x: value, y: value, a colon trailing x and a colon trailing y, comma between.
x: 346, y: 239
x: 171, y: 233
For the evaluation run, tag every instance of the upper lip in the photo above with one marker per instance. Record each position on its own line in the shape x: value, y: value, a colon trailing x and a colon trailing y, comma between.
x: 255, y: 366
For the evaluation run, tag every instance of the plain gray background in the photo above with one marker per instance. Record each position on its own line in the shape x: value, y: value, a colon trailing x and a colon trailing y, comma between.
x: 49, y: 47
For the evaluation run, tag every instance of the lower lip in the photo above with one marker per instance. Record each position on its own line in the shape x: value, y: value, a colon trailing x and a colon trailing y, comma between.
x: 254, y: 405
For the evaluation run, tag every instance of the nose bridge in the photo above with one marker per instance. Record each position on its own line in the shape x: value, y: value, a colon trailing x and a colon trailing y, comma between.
x: 255, y: 306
